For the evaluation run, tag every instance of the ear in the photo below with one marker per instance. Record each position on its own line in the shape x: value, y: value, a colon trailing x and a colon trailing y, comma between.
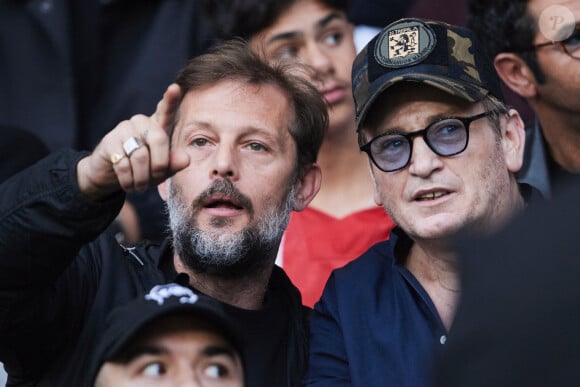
x: 308, y: 186
x: 516, y: 74
x: 513, y: 140
x: 163, y: 189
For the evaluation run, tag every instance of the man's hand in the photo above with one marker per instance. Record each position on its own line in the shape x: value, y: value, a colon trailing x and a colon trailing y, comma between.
x: 136, y: 154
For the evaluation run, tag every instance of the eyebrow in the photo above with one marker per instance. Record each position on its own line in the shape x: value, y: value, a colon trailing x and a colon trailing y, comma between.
x: 189, y: 126
x: 142, y: 350
x: 152, y: 350
x: 431, y: 119
x: 192, y: 126
x: 294, y: 34
x: 216, y: 350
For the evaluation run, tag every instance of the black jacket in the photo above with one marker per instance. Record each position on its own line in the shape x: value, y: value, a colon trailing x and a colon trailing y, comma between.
x: 58, y: 283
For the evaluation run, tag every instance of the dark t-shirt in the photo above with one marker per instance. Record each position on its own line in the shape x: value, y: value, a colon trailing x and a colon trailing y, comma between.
x: 265, y: 337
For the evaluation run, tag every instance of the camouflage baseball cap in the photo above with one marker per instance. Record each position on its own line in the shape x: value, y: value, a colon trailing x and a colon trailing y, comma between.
x: 438, y: 54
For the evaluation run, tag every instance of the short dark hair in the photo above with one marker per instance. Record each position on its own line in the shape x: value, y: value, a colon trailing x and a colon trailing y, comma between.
x: 246, y: 18
x: 234, y: 60
x: 505, y: 26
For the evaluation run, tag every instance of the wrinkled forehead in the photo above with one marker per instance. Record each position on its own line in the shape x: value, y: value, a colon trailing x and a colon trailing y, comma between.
x: 227, y: 92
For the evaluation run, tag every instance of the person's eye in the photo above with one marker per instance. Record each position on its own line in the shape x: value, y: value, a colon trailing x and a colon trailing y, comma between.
x: 153, y: 369
x: 257, y: 147
x: 199, y: 142
x: 333, y: 39
x: 391, y: 144
x: 449, y: 129
x: 216, y: 371
x: 288, y: 52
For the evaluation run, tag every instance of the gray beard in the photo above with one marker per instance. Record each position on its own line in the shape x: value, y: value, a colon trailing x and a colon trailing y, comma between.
x: 223, y: 254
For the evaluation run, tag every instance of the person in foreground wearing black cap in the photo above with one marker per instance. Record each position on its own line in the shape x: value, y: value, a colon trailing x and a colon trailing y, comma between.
x: 232, y: 149
x: 443, y: 150
x: 172, y: 336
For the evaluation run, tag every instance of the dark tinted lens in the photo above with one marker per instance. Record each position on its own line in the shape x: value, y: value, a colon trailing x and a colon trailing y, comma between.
x: 391, y: 152
x: 447, y: 137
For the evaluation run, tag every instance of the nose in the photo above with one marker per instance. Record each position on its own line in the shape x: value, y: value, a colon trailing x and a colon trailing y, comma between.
x: 423, y: 160
x: 187, y: 376
x: 318, y: 58
x: 225, y: 162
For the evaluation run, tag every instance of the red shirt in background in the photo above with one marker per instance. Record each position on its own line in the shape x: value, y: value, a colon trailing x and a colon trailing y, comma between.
x: 316, y: 243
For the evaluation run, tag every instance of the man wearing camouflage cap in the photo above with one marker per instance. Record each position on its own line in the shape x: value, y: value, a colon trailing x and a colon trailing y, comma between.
x: 443, y: 150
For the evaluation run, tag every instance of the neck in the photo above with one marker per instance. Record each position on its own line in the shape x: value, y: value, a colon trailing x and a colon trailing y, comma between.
x: 345, y: 173
x: 434, y: 262
x: 434, y: 266
x: 243, y: 292
x: 561, y: 131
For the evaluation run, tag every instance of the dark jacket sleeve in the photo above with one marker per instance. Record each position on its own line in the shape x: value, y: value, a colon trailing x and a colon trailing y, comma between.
x: 45, y: 219
x: 328, y: 364
x: 46, y: 281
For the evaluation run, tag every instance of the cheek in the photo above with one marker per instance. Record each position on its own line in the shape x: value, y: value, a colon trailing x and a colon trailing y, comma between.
x: 344, y: 59
x: 186, y: 188
x: 269, y: 197
x: 484, y: 182
x: 390, y: 185
x: 113, y: 375
x: 388, y: 193
x: 272, y: 195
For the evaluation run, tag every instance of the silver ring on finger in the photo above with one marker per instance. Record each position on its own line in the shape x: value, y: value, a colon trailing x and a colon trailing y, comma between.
x: 131, y: 145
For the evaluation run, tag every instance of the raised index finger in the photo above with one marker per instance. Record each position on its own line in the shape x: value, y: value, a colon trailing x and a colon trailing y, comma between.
x: 167, y: 107
x: 156, y: 133
x: 164, y: 162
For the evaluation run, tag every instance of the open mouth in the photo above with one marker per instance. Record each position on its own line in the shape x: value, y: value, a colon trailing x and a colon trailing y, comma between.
x: 222, y: 199
x: 431, y: 195
x: 222, y: 202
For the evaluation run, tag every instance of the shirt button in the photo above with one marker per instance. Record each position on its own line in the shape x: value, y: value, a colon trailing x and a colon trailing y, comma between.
x: 443, y: 339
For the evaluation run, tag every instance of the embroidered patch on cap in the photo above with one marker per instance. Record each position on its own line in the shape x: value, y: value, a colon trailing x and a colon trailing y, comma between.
x: 404, y: 43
